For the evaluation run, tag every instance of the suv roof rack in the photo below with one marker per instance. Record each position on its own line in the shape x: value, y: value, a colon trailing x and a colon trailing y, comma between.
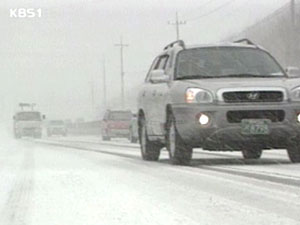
x: 247, y: 41
x: 28, y: 105
x: 179, y: 42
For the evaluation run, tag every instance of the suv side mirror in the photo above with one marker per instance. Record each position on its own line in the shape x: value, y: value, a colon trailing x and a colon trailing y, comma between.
x: 44, y: 117
x: 293, y: 72
x: 158, y: 76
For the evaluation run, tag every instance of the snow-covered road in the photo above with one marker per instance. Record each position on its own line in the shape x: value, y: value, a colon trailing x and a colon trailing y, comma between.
x: 64, y: 181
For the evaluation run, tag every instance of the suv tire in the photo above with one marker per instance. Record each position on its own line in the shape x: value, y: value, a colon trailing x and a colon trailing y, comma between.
x: 179, y: 152
x: 17, y: 136
x: 252, y: 153
x: 105, y: 138
x: 132, y: 138
x: 294, y: 153
x: 150, y: 150
x: 38, y: 136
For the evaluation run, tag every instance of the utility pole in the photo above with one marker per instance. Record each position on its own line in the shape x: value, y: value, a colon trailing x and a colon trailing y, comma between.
x: 92, y: 93
x: 122, y: 45
x: 293, y: 13
x: 177, y: 23
x: 104, y: 83
x: 293, y: 33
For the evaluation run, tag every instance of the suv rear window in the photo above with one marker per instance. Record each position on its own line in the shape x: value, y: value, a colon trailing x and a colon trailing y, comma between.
x: 57, y: 122
x: 124, y: 116
x: 28, y: 116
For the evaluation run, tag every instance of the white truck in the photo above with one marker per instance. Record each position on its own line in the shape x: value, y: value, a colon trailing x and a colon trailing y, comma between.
x: 28, y: 123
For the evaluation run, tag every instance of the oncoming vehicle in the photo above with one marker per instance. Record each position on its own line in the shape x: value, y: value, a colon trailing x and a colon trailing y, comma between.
x: 293, y: 72
x: 223, y: 97
x: 116, y: 124
x: 56, y: 127
x: 28, y: 123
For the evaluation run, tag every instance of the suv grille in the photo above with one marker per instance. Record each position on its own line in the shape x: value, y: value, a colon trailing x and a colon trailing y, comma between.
x: 253, y: 96
x: 238, y: 116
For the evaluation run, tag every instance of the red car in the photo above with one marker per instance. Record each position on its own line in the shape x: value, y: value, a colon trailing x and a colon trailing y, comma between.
x: 116, y: 124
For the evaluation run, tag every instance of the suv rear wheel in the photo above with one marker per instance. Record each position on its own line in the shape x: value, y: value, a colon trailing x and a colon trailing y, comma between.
x: 132, y: 138
x: 150, y: 150
x: 37, y: 135
x: 17, y: 135
x: 179, y: 152
x: 105, y: 138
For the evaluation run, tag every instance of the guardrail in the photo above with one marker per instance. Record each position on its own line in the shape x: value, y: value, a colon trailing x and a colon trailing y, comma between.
x: 85, y: 128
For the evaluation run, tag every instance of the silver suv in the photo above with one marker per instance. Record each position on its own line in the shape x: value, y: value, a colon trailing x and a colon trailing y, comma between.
x: 227, y: 97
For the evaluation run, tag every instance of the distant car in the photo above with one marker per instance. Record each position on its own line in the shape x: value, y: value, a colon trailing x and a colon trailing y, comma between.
x: 116, y: 124
x: 28, y: 123
x: 56, y: 127
x: 133, y: 129
x: 293, y: 72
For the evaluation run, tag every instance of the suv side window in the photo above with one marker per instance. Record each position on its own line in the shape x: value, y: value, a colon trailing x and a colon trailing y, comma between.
x: 151, y: 68
x: 162, y: 63
x: 159, y: 63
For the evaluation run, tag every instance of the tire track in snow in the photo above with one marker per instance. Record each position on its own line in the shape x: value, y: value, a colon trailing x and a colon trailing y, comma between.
x: 70, y: 144
x: 15, y: 211
x: 285, y: 180
x: 137, y: 147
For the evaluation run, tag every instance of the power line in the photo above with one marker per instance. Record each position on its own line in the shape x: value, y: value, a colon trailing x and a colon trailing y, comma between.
x: 177, y: 23
x: 267, y: 18
x: 205, y: 4
x: 122, y: 45
x: 272, y: 15
x: 104, y: 83
x: 212, y: 11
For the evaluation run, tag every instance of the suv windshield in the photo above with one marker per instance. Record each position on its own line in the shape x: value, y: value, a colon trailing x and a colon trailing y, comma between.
x: 219, y: 62
x: 57, y: 122
x: 29, y: 116
x: 125, y: 116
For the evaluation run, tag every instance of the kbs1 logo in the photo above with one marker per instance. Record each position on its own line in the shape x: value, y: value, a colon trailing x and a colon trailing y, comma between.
x: 25, y: 13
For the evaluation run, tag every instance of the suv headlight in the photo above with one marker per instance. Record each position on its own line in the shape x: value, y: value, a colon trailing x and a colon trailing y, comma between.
x: 198, y: 95
x: 295, y: 94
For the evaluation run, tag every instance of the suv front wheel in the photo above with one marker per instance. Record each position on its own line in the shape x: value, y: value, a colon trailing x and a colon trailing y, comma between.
x: 150, y: 150
x: 179, y: 152
x: 294, y: 153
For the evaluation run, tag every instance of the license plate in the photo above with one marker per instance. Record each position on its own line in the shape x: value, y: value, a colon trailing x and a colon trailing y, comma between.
x: 255, y: 127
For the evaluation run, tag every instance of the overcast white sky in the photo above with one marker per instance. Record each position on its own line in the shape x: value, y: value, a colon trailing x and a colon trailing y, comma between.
x: 53, y: 60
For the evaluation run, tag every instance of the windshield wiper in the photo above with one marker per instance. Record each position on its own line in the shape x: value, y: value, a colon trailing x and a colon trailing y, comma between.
x: 241, y: 75
x: 193, y: 77
x: 247, y: 75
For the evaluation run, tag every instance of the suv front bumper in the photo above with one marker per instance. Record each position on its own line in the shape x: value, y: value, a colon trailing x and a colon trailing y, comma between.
x: 31, y: 131
x: 223, y: 135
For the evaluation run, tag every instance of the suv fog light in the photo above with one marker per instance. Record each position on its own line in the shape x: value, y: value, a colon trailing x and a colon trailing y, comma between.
x: 298, y: 117
x: 204, y: 119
